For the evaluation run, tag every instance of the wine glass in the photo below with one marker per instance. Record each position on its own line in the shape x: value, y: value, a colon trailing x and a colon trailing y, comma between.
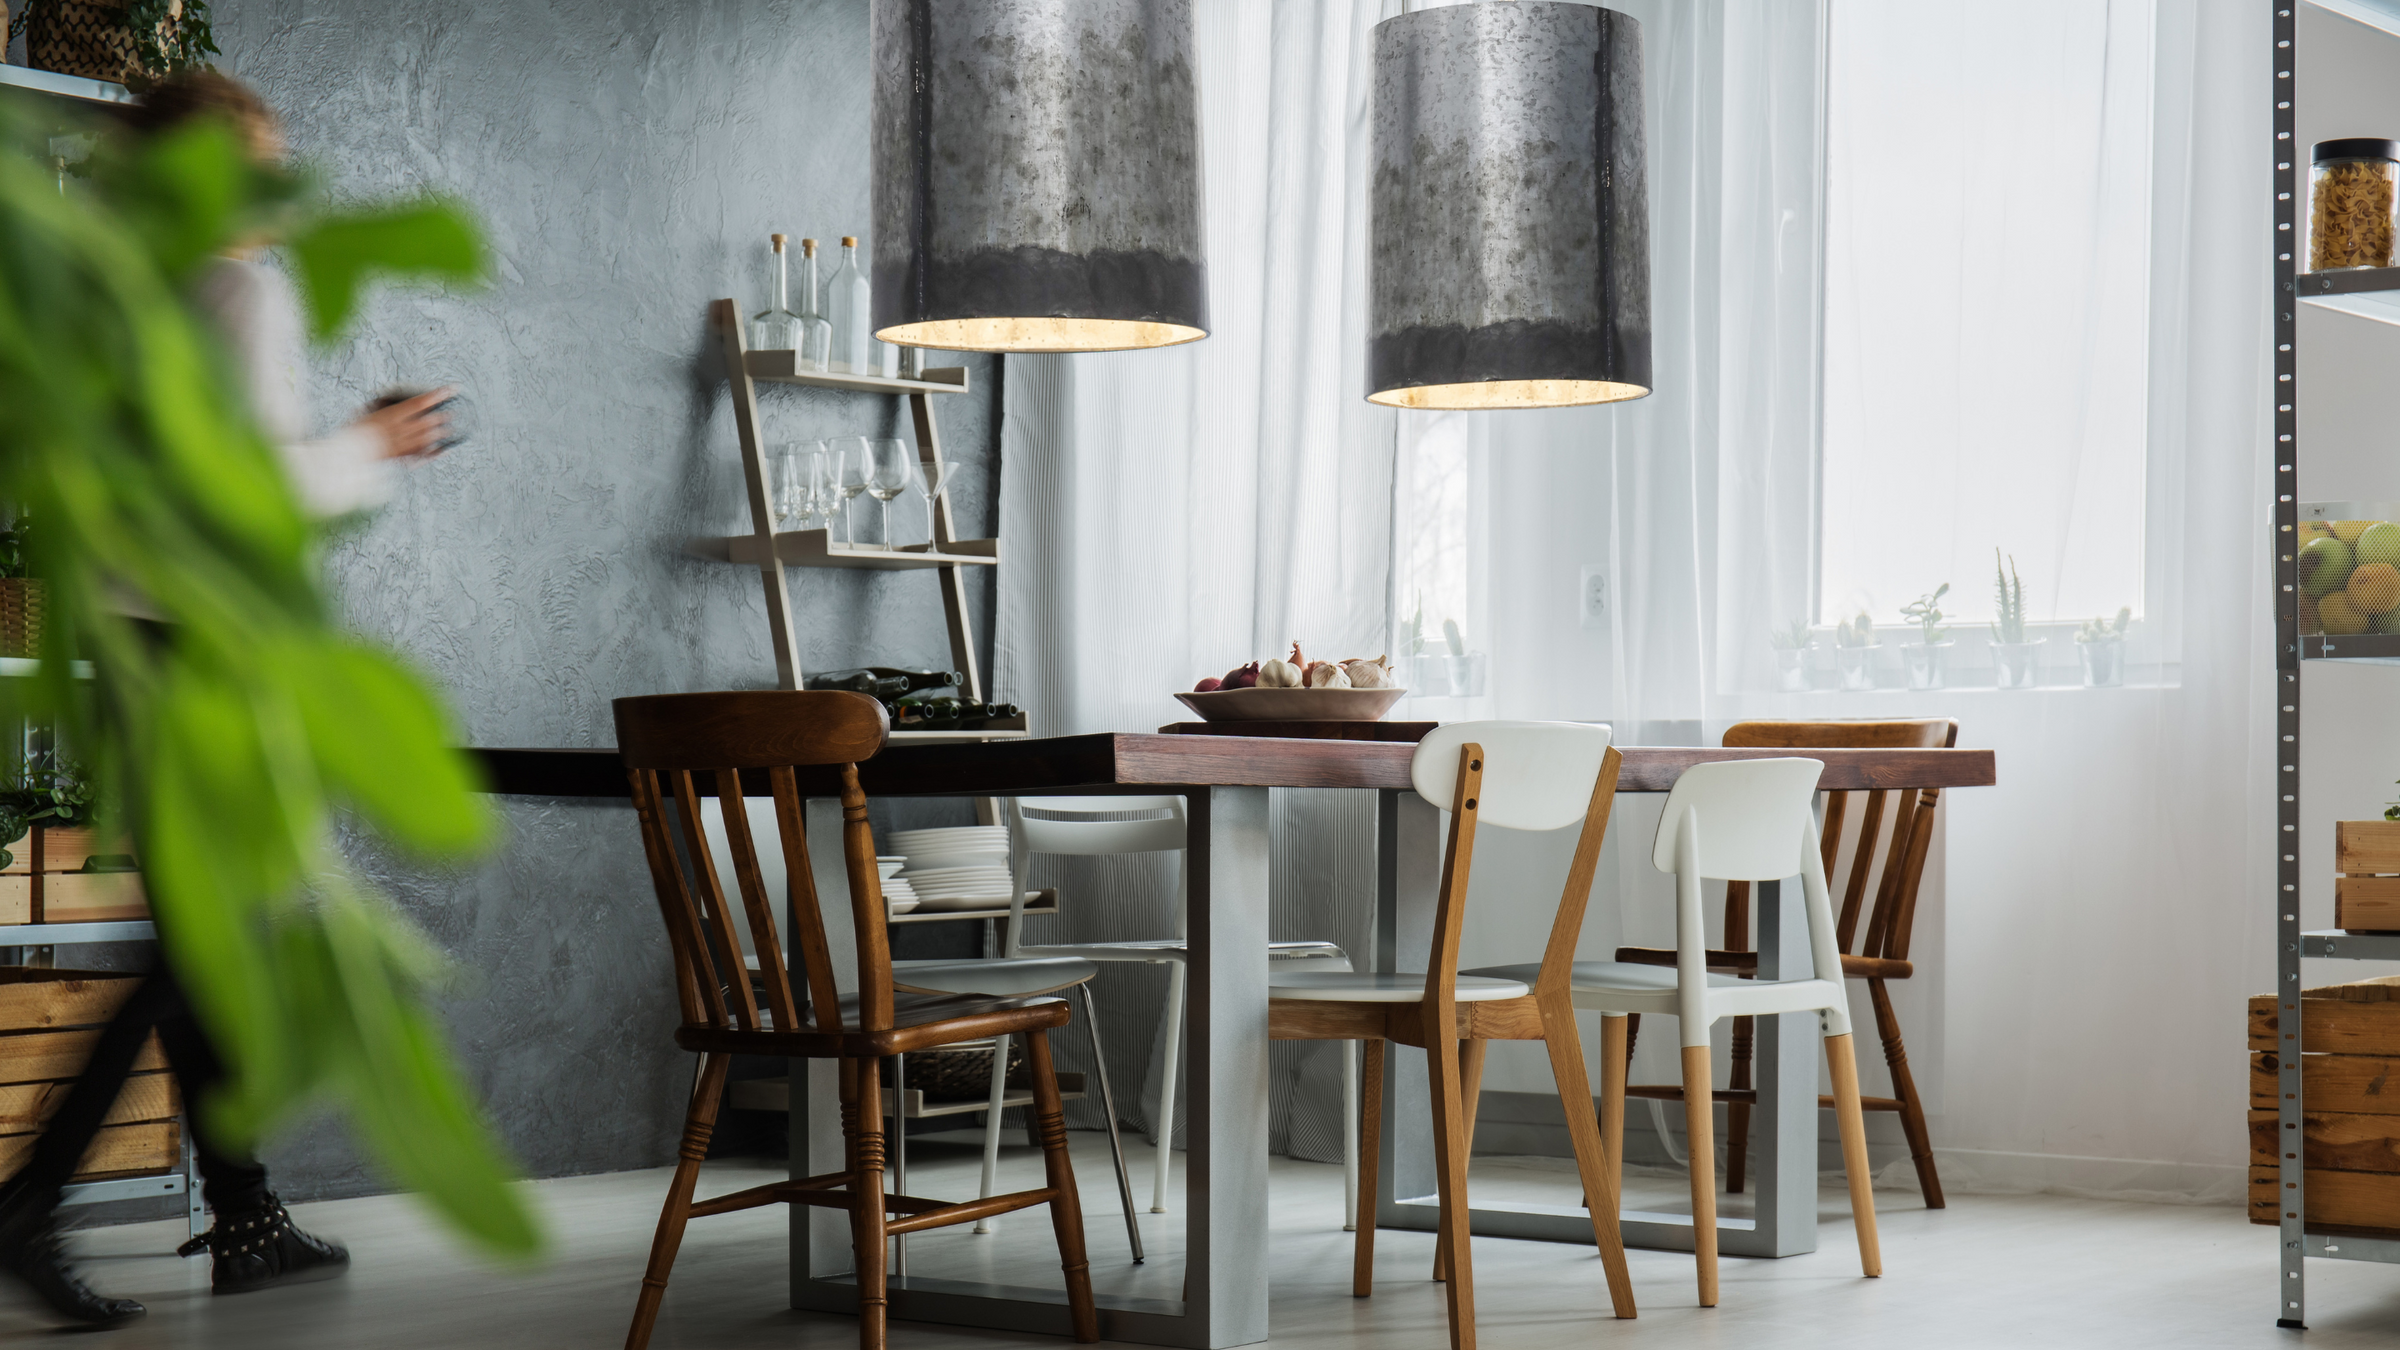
x: 817, y: 491
x: 851, y: 471
x: 888, y: 473
x: 786, y: 490
x: 930, y: 476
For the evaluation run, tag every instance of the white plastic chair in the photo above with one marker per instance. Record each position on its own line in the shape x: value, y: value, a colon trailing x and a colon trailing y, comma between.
x: 1745, y: 820
x: 1081, y: 827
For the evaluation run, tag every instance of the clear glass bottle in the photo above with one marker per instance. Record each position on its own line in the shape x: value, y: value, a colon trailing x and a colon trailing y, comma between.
x: 776, y: 328
x: 816, y: 335
x: 848, y: 309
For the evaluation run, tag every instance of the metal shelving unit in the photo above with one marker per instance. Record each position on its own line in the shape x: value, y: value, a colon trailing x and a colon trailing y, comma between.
x: 2371, y: 293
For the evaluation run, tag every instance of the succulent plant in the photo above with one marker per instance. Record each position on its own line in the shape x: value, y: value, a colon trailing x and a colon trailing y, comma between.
x: 1858, y: 632
x: 1926, y: 613
x: 2103, y: 630
x: 2010, y: 594
x: 1791, y: 639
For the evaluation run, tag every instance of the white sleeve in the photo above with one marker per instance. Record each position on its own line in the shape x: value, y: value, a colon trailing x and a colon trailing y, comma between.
x: 259, y: 318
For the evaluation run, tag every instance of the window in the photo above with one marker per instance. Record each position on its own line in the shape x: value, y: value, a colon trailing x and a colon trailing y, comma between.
x: 1987, y: 308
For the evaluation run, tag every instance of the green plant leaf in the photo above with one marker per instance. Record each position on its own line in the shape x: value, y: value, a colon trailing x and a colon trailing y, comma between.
x: 336, y: 255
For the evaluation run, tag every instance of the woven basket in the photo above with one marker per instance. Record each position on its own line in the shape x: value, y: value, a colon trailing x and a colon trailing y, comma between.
x: 21, y: 604
x: 954, y: 1075
x: 84, y: 37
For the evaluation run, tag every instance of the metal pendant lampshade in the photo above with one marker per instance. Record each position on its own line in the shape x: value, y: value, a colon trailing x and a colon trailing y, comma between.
x: 1037, y: 175
x: 1511, y: 236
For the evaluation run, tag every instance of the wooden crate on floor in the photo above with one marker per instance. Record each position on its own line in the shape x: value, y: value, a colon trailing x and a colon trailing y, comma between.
x: 2366, y: 891
x: 2350, y: 1128
x: 49, y: 1021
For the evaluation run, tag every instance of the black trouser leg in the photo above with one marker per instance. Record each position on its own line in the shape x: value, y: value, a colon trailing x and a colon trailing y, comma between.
x: 233, y: 1181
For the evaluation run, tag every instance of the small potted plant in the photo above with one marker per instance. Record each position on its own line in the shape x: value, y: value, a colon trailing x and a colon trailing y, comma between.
x: 128, y: 42
x: 1792, y: 646
x: 2015, y: 660
x: 1854, y: 652
x: 2101, y: 646
x: 22, y: 598
x: 1926, y: 658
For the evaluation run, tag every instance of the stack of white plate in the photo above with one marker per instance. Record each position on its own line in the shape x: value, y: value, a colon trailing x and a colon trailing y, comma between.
x: 960, y: 867
x: 898, y: 894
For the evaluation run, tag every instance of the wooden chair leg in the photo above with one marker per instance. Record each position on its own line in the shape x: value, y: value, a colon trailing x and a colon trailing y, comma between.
x: 1350, y: 1136
x: 1904, y: 1086
x: 1470, y: 1074
x: 1370, y: 1160
x: 1616, y: 1048
x: 864, y: 1122
x: 1699, y: 1126
x: 698, y: 1123
x: 1066, y: 1205
x: 1592, y: 1160
x: 1737, y: 1114
x: 1842, y: 1060
x: 1450, y: 1167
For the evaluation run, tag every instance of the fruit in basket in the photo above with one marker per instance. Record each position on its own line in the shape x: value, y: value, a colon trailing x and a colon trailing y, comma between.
x: 2380, y: 544
x: 1207, y: 685
x: 2309, y: 622
x: 2348, y: 531
x: 2375, y: 588
x: 2339, y: 617
x: 2325, y: 566
x: 2314, y: 529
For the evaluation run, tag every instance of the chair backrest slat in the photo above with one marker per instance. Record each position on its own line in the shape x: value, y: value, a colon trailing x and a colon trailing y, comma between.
x: 697, y: 998
x: 667, y: 739
x: 1749, y: 815
x: 717, y: 934
x: 807, y: 916
x: 1892, y: 859
x: 757, y: 907
x: 1458, y: 863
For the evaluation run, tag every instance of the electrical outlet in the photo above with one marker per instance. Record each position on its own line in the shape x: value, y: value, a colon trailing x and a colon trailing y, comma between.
x: 1593, y: 596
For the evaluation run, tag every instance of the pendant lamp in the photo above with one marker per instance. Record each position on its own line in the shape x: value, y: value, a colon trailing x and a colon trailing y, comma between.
x: 1511, y: 235
x: 1037, y: 175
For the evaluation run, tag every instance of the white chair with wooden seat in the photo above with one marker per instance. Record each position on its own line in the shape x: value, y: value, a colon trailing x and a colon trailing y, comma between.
x: 1097, y: 827
x: 1517, y: 775
x: 1747, y: 820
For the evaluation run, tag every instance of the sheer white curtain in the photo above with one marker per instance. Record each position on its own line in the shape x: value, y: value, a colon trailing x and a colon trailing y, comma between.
x: 1176, y: 513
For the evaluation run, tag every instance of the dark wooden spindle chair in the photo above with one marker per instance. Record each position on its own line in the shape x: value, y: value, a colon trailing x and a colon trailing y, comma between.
x: 681, y: 747
x: 1878, y: 955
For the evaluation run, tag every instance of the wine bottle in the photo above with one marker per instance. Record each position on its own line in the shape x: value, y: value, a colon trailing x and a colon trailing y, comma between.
x: 777, y: 327
x: 883, y: 687
x: 922, y: 679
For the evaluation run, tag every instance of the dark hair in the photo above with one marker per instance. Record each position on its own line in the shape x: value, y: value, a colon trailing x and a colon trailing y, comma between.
x: 202, y: 92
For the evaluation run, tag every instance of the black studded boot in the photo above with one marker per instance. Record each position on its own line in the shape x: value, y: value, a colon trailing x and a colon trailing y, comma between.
x: 259, y: 1247
x: 36, y: 1255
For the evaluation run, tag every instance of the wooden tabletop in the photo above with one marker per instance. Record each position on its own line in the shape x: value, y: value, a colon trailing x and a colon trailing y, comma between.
x: 1151, y: 762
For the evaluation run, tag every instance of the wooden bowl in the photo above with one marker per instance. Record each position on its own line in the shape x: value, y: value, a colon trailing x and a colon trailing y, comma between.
x: 1292, y: 705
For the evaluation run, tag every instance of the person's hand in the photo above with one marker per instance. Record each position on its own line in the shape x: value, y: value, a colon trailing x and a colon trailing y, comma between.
x: 412, y: 428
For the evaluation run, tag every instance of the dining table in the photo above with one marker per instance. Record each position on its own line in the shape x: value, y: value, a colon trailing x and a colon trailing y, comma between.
x: 1225, y: 781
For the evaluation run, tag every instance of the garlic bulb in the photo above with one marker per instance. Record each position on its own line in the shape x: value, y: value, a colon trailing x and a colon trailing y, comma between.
x: 1327, y: 675
x: 1278, y: 675
x: 1365, y: 674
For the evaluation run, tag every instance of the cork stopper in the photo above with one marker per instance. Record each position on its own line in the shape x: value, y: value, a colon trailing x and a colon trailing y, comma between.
x: 808, y: 248
x: 849, y: 241
x: 780, y: 241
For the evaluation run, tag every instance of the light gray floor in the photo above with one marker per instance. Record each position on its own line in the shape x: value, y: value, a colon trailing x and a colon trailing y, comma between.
x: 1989, y: 1271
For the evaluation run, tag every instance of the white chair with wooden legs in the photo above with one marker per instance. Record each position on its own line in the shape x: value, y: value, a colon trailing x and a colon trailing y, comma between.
x: 1095, y: 827
x: 1747, y: 820
x: 1519, y: 775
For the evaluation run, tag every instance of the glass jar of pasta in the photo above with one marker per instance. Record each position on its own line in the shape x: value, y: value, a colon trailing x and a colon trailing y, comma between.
x: 2351, y: 196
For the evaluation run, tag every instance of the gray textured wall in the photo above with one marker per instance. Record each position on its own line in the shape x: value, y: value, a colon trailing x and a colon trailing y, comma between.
x: 628, y: 161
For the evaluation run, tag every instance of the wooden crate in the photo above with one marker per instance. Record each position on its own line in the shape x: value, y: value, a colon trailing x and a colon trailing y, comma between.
x: 2366, y: 891
x: 46, y: 882
x: 92, y: 897
x: 2350, y: 1088
x: 49, y: 1022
